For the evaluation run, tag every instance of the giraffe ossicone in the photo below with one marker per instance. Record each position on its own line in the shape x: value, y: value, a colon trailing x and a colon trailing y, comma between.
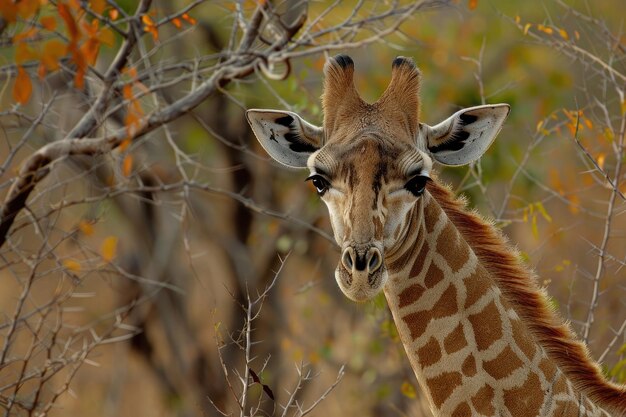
x: 479, y: 333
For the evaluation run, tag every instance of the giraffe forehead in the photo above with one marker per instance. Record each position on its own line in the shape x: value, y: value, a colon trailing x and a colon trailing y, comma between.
x: 367, y: 159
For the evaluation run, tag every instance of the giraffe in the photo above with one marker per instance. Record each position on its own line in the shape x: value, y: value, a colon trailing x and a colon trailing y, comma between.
x: 478, y: 331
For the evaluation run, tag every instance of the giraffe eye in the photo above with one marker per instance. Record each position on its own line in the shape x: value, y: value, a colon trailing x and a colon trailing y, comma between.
x: 417, y: 185
x: 320, y: 183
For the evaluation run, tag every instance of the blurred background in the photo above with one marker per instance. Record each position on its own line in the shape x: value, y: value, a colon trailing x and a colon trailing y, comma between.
x: 173, y: 269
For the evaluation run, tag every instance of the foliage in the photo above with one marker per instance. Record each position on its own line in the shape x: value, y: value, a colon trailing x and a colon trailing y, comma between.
x: 138, y: 211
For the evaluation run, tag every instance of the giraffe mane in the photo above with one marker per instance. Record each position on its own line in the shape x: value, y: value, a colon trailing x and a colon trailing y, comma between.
x: 519, y: 286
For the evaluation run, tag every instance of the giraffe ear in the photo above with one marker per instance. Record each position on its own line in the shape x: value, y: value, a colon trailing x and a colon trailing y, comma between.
x: 466, y: 135
x: 285, y: 136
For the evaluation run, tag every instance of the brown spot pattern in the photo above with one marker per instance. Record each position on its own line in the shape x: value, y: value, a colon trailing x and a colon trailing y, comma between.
x: 462, y: 410
x: 487, y: 326
x: 523, y: 339
x: 483, y: 401
x: 469, y: 366
x: 429, y: 354
x: 475, y: 288
x: 431, y: 216
x: 433, y: 276
x: 547, y: 368
x: 503, y: 365
x: 452, y: 247
x: 418, y: 266
x: 455, y: 341
x: 525, y: 400
x: 442, y: 386
x: 410, y: 295
x: 417, y: 322
x: 444, y: 307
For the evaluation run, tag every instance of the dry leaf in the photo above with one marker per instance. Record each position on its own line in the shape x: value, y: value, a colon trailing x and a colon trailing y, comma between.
x: 23, y: 87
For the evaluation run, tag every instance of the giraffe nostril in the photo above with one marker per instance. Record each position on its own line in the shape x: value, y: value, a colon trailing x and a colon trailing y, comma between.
x: 375, y: 260
x: 347, y: 258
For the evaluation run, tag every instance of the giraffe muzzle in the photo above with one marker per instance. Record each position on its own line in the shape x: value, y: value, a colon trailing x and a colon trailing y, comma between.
x: 361, y: 273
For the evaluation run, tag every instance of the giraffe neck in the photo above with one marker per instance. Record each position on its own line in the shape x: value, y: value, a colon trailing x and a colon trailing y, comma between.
x: 470, y: 351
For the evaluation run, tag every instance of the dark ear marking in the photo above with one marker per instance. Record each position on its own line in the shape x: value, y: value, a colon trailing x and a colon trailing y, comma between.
x: 296, y: 143
x: 454, y: 143
x: 285, y: 121
x: 344, y: 61
x: 467, y: 118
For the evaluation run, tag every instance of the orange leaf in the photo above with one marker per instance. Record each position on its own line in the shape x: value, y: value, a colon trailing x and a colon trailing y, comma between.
x: 147, y: 20
x: 71, y: 265
x: 90, y: 50
x: 29, y: 34
x: 53, y: 50
x: 85, y: 227
x: 23, y: 87
x: 108, y: 250
x: 127, y: 165
x: 27, y: 8
x: 98, y: 6
x: 41, y: 71
x: 472, y: 4
x: 124, y: 144
x: 191, y: 20
x: 114, y: 14
x: 67, y: 16
x: 48, y: 22
x: 176, y: 22
x: 127, y: 92
x: 8, y: 10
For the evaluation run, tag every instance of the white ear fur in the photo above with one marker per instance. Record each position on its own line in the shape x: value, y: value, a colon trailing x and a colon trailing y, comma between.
x: 465, y: 136
x: 285, y: 136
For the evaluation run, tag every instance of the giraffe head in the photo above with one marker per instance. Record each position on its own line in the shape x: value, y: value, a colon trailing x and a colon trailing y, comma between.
x: 370, y: 162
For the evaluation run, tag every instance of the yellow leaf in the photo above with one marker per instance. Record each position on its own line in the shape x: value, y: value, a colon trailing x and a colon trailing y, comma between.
x: 563, y: 34
x: 71, y: 265
x: 127, y: 165
x: 24, y: 53
x: 517, y: 19
x: 526, y: 27
x: 408, y: 390
x: 108, y: 250
x: 23, y: 87
x: 601, y: 158
x: 543, y: 211
x: 85, y: 227
x: 623, y: 107
x: 577, y: 35
x: 608, y: 133
x: 106, y: 36
x: 539, y: 125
